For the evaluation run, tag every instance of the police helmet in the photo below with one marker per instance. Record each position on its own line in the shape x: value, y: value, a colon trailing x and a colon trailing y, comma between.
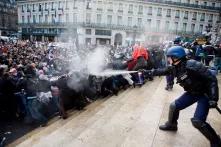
x: 176, y: 52
x: 177, y: 40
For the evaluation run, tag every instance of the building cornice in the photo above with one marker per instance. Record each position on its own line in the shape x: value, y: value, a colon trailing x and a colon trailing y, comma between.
x: 150, y: 2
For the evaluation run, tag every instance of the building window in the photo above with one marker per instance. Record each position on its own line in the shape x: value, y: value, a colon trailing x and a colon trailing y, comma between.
x: 120, y: 7
x: 213, y: 4
x: 140, y: 11
x: 201, y: 28
x: 67, y: 5
x: 52, y: 5
x: 168, y: 13
x: 40, y: 19
x: 159, y: 12
x: 53, y: 18
x: 46, y: 6
x: 23, y: 19
x: 33, y: 7
x: 34, y: 19
x: 103, y: 32
x: 167, y: 26
x: 186, y: 15
x: 28, y: 9
x: 28, y: 18
x: 39, y: 8
x: 22, y: 8
x: 59, y: 5
x: 109, y: 19
x: 192, y: 28
x: 176, y: 26
x: 149, y: 10
x: 188, y: 1
x: 202, y: 18
x: 88, y: 31
x: 184, y: 27
x: 205, y: 3
x: 88, y: 18
x: 75, y: 4
x: 129, y: 21
x: 67, y: 17
x: 194, y: 16
x: 197, y: 2
x: 46, y: 18
x: 88, y: 5
x: 119, y: 20
x: 99, y: 6
x: 130, y: 10
x: 139, y: 22
x: 158, y: 26
x: 149, y: 23
x: 60, y: 18
x: 110, y: 6
x: 99, y: 17
x: 75, y: 17
x: 177, y: 15
x: 210, y: 18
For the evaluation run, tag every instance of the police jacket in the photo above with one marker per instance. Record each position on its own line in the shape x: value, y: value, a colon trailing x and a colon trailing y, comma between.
x: 194, y: 77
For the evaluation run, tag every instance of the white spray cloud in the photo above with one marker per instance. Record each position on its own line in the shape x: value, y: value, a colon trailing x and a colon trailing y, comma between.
x: 83, y: 61
x: 97, y: 60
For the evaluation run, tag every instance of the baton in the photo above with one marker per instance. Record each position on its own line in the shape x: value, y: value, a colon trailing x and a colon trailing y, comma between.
x: 218, y: 109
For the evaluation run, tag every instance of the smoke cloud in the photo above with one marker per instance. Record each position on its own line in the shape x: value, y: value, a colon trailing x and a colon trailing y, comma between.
x: 82, y: 61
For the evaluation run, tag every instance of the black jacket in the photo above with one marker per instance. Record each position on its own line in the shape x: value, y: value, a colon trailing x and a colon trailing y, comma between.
x: 194, y: 77
x: 30, y: 84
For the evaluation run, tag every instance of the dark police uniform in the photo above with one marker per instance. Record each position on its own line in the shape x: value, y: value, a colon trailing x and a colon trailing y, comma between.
x: 200, y: 86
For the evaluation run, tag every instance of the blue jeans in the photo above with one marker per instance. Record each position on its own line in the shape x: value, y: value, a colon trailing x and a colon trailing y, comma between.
x: 34, y: 107
x: 21, y: 98
x: 188, y: 99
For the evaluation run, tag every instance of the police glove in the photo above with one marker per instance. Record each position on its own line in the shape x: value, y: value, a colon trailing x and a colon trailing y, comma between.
x: 146, y: 72
x: 212, y: 104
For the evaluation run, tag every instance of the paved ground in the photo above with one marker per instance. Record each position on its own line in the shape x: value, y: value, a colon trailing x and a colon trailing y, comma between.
x: 128, y: 120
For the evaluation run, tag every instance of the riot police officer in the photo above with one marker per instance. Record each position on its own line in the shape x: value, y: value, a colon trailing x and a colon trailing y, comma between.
x: 200, y: 86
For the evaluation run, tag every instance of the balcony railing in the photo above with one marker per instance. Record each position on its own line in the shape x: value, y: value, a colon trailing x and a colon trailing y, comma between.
x: 113, y: 26
x: 83, y: 24
x: 177, y: 17
x: 110, y: 10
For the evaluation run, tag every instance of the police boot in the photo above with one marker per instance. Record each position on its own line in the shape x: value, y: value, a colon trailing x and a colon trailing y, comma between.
x: 171, y: 124
x: 169, y: 87
x: 207, y: 131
